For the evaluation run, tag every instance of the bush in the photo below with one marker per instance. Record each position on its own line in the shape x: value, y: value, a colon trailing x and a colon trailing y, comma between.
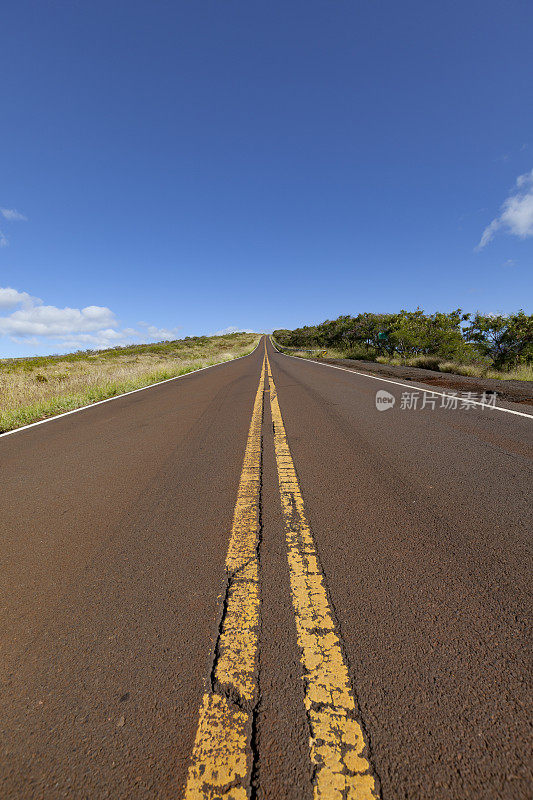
x: 361, y: 351
x: 500, y: 341
x: 506, y: 340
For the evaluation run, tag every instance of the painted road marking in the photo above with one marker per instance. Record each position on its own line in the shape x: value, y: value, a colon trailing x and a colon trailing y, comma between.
x: 337, y: 743
x: 405, y: 385
x: 221, y: 763
x: 221, y: 759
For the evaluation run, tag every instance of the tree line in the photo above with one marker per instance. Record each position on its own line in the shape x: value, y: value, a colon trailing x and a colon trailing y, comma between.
x: 499, y: 340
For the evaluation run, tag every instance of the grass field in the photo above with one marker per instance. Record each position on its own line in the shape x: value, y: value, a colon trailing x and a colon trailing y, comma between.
x: 34, y: 388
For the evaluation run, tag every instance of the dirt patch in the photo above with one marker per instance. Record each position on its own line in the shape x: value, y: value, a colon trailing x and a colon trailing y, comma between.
x: 511, y: 390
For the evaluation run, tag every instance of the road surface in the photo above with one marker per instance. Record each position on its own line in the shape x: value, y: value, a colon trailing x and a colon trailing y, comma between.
x: 251, y: 582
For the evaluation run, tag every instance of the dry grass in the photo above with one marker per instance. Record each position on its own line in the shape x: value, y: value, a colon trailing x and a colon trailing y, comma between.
x: 34, y: 388
x: 523, y: 372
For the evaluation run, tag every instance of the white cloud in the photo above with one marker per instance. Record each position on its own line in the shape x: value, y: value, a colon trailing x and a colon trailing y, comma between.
x: 232, y: 329
x: 95, y: 341
x: 9, y: 298
x: 93, y: 327
x: 516, y: 215
x: 160, y: 334
x: 3, y: 240
x: 13, y: 215
x: 41, y: 320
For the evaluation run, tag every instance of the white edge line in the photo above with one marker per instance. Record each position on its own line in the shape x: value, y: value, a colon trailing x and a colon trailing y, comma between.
x: 406, y: 385
x: 125, y: 394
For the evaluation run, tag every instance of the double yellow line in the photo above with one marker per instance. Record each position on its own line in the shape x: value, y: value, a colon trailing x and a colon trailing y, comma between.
x: 221, y: 762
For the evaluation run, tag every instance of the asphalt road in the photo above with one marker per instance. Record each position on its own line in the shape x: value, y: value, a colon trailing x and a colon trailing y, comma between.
x: 115, y: 590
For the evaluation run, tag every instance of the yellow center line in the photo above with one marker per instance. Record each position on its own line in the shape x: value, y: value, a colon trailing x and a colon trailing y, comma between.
x: 337, y: 744
x: 221, y: 762
x: 221, y: 758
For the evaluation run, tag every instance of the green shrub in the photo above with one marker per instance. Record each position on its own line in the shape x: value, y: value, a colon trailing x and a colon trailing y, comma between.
x: 498, y: 341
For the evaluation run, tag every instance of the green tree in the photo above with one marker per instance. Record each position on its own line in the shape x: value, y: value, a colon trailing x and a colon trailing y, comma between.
x: 507, y: 339
x: 439, y: 334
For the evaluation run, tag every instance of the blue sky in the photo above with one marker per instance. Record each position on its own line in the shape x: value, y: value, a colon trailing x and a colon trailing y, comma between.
x: 177, y: 168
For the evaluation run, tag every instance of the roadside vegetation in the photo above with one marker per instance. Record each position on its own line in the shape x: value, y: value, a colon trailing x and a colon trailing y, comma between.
x: 34, y: 388
x: 478, y: 345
